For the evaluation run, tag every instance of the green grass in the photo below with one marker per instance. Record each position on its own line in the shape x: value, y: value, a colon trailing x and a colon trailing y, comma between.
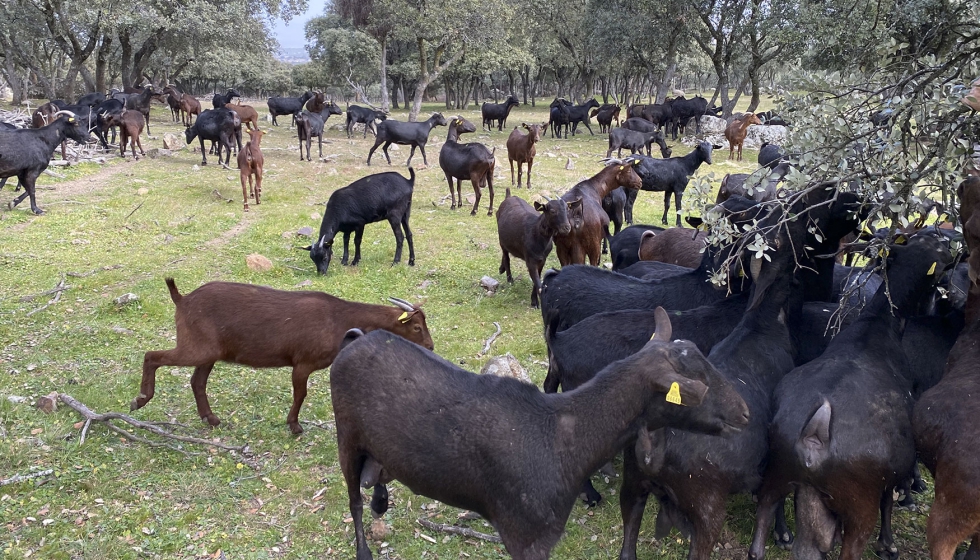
x: 115, y: 499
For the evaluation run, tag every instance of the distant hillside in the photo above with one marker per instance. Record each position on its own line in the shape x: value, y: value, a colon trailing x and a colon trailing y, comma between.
x: 294, y: 55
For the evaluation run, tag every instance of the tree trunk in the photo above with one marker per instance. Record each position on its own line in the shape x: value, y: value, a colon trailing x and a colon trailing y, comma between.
x: 426, y: 77
x: 12, y: 78
x: 384, y: 74
x: 756, y: 97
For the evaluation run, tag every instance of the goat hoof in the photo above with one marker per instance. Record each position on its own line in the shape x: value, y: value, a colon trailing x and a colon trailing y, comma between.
x: 135, y: 404
x: 211, y: 419
x: 784, y: 541
x: 37, y: 211
x: 411, y: 262
x: 295, y: 428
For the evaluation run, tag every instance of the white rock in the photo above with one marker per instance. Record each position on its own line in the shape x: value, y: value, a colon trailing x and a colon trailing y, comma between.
x: 506, y: 366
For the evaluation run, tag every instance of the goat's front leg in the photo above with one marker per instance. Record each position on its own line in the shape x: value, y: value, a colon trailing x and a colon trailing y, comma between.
x: 421, y: 149
x: 677, y: 206
x: 301, y: 374
x: 357, y: 244
x: 343, y: 260
x: 452, y: 194
x: 199, y: 385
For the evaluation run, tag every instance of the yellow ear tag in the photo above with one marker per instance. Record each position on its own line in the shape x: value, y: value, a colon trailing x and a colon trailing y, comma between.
x: 653, y: 336
x: 674, y: 395
x: 622, y: 167
x: 404, y: 317
x: 71, y: 119
x: 932, y: 269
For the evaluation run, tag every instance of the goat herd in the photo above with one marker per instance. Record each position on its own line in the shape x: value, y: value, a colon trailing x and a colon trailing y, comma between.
x: 739, y: 388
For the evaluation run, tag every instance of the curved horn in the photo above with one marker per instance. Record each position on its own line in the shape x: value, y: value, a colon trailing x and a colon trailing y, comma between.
x: 404, y: 305
x: 610, y: 161
x: 63, y: 112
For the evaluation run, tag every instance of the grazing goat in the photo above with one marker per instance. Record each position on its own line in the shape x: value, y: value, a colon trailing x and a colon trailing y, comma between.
x: 520, y: 149
x: 636, y: 142
x: 680, y: 246
x: 822, y: 422
x: 221, y: 99
x: 471, y: 161
x: 287, y: 105
x: 625, y: 246
x: 250, y: 162
x: 301, y: 329
x: 130, y: 125
x: 27, y: 152
x: 216, y: 125
x: 366, y: 116
x: 560, y: 438
x: 947, y: 436
x: 247, y: 114
x: 670, y: 176
x: 497, y: 112
x: 527, y: 233
x: 736, y: 132
x: 585, y: 238
x: 692, y: 474
x: 414, y: 134
x: 384, y: 196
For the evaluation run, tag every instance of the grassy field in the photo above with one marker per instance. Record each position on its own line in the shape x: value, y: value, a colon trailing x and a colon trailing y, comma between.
x: 110, y: 498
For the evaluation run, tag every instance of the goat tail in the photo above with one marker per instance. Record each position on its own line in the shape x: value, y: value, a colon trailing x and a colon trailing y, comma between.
x: 553, y: 379
x: 411, y: 176
x: 174, y: 294
x: 507, y: 193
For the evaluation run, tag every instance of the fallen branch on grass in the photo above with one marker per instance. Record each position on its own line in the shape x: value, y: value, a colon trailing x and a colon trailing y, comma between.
x: 486, y: 347
x: 59, y: 289
x: 456, y: 530
x: 221, y: 196
x: 24, y: 477
x: 241, y: 452
x: 93, y: 271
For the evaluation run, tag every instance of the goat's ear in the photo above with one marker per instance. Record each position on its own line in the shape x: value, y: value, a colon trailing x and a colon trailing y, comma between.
x: 351, y: 336
x: 814, y: 442
x: 524, y: 124
x: 680, y: 390
x: 664, y: 331
x: 575, y: 204
x: 539, y: 207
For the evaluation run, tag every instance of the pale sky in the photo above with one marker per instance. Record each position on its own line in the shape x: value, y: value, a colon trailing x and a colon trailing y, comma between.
x: 291, y: 35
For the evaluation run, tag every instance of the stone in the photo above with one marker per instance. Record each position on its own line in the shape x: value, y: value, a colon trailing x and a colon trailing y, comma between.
x: 143, y: 191
x: 506, y: 366
x: 159, y: 152
x: 304, y: 284
x: 48, y: 403
x: 489, y: 284
x: 125, y: 298
x: 122, y: 330
x: 569, y: 165
x: 258, y: 263
x: 305, y: 231
x: 172, y: 142
x: 15, y: 399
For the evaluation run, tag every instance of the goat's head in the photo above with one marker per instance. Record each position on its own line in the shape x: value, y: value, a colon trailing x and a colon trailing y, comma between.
x: 332, y: 108
x: 698, y: 398
x: 75, y: 128
x: 512, y: 101
x: 255, y: 137
x: 625, y: 171
x: 321, y: 253
x: 410, y: 325
x: 534, y: 131
x: 555, y: 212
x: 459, y: 125
x: 439, y: 120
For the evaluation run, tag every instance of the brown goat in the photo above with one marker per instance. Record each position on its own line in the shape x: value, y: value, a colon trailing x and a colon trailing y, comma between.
x: 520, y: 148
x: 592, y: 224
x: 316, y: 103
x: 736, y: 131
x: 250, y: 161
x: 247, y: 113
x: 947, y: 431
x: 680, y: 246
x: 277, y: 328
x: 130, y: 123
x: 189, y: 106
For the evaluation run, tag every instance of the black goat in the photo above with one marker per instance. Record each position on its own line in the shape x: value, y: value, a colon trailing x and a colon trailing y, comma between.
x: 27, y: 152
x: 574, y: 115
x: 770, y: 155
x: 141, y: 102
x: 822, y: 422
x: 309, y: 125
x: 414, y: 134
x: 221, y: 99
x: 91, y: 99
x: 633, y: 141
x: 558, y: 115
x: 287, y: 105
x: 218, y: 126
x: 104, y: 114
x: 653, y: 270
x: 684, y: 110
x: 639, y: 125
x: 366, y: 116
x: 605, y: 115
x: 625, y: 247
x: 471, y: 161
x: 384, y: 196
x: 670, y: 176
x: 497, y: 112
x: 527, y: 233
x: 559, y: 438
x: 660, y: 115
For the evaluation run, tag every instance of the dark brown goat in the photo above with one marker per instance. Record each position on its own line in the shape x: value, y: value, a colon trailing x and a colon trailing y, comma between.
x: 736, y: 132
x: 130, y: 123
x: 585, y: 238
x: 680, y: 246
x: 520, y: 148
x: 471, y: 161
x: 247, y: 113
x: 527, y: 233
x: 189, y: 106
x: 947, y: 431
x: 250, y: 162
x: 301, y: 329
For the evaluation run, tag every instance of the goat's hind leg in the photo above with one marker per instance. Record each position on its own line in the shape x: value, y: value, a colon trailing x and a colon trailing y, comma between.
x: 199, y: 384
x: 301, y: 375
x: 352, y: 464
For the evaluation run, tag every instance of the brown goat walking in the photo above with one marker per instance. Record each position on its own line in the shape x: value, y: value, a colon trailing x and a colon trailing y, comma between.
x: 247, y: 113
x: 130, y: 123
x: 250, y: 161
x: 277, y: 328
x: 736, y: 132
x: 592, y: 224
x: 520, y: 148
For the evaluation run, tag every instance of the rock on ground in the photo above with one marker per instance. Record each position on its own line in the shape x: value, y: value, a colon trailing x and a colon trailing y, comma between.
x: 258, y: 262
x: 506, y: 366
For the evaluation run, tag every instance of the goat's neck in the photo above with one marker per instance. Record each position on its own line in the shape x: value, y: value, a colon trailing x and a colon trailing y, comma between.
x: 605, y: 182
x: 596, y: 420
x: 452, y: 137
